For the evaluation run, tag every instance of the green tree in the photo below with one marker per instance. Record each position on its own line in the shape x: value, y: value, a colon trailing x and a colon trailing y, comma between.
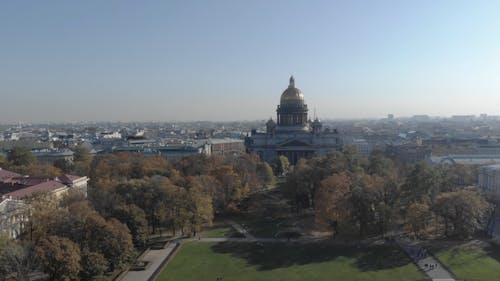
x: 59, y: 258
x: 362, y: 209
x: 21, y: 156
x: 81, y: 154
x: 380, y: 165
x: 422, y: 184
x: 298, y: 186
x: 82, y: 160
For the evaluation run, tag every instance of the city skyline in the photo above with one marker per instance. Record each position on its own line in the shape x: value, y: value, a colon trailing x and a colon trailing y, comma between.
x: 231, y: 60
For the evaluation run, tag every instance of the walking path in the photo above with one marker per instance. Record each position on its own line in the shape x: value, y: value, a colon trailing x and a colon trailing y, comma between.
x: 426, y: 262
x: 241, y: 230
x: 243, y: 240
x: 156, y: 259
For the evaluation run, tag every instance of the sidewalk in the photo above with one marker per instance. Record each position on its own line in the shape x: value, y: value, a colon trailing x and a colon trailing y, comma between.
x: 242, y: 240
x: 156, y: 258
x: 427, y: 263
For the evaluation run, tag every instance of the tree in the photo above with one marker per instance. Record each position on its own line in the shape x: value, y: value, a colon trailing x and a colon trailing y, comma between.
x: 16, y: 261
x: 2, y: 159
x: 463, y: 212
x: 44, y: 214
x: 422, y: 184
x: 93, y: 264
x: 280, y: 165
x: 362, y: 209
x: 110, y: 238
x: 64, y: 165
x: 457, y: 176
x: 265, y: 172
x: 417, y: 215
x: 193, y: 165
x: 135, y: 219
x: 81, y: 223
x: 21, y: 156
x: 246, y: 167
x: 200, y: 206
x: 45, y: 170
x: 82, y: 160
x: 299, y: 185
x: 333, y: 202
x: 81, y: 154
x: 351, y: 157
x: 380, y: 165
x: 231, y: 188
x: 59, y: 258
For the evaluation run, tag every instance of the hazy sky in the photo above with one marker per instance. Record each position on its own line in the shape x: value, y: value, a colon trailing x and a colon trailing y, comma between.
x: 231, y: 60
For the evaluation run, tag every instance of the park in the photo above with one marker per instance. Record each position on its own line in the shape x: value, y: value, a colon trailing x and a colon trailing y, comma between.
x: 266, y: 256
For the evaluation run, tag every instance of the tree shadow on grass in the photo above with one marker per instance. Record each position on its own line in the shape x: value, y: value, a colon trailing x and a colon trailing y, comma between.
x: 494, y: 250
x: 268, y: 256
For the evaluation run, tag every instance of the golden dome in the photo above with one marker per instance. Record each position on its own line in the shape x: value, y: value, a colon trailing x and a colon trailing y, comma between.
x: 292, y: 96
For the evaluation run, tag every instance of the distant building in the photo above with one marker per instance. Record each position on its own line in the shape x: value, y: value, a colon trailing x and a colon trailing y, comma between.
x: 489, y: 178
x: 467, y: 159
x: 463, y: 118
x: 292, y: 134
x: 226, y: 147
x: 409, y: 153
x: 363, y: 146
x: 422, y: 117
x: 51, y: 156
x: 110, y: 135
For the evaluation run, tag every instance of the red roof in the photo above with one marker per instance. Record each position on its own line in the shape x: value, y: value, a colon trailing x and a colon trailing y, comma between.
x: 4, y: 174
x: 29, y: 181
x: 48, y: 186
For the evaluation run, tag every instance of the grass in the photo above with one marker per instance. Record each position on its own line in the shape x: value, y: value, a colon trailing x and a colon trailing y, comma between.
x: 261, y: 228
x: 472, y: 261
x: 290, y: 262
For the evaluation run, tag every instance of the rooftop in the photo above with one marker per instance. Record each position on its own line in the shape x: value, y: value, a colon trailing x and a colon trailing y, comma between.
x: 48, y: 186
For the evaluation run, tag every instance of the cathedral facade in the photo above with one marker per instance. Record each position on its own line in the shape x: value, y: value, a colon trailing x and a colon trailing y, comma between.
x: 293, y: 134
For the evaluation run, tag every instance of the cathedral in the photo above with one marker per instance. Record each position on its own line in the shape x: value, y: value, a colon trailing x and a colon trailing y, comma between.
x: 292, y: 134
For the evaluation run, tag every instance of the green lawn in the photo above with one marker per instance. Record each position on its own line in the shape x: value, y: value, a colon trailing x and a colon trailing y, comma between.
x: 472, y: 262
x: 288, y: 262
